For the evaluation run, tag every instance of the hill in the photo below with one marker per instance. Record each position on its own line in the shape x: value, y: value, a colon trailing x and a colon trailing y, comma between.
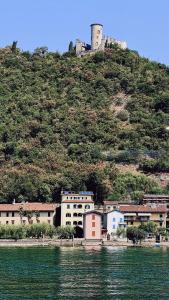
x: 68, y: 122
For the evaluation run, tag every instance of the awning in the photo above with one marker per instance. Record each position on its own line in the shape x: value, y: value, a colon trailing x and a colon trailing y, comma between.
x: 129, y: 214
x: 144, y: 214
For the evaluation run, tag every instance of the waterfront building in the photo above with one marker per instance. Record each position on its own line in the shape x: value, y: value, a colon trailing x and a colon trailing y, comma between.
x: 155, y: 199
x: 27, y: 213
x: 113, y: 220
x: 135, y: 215
x: 92, y: 225
x: 73, y: 206
x: 109, y: 205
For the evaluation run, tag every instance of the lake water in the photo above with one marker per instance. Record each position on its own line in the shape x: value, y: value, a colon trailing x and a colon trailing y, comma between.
x: 80, y: 274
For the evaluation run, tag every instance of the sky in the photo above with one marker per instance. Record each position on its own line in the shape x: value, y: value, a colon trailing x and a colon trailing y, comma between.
x: 144, y: 24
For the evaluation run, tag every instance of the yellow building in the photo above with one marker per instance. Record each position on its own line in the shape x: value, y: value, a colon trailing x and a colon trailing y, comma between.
x: 135, y: 215
x: 73, y: 205
x: 27, y: 213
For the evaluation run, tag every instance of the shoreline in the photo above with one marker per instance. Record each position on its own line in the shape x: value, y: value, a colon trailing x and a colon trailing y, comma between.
x: 77, y: 243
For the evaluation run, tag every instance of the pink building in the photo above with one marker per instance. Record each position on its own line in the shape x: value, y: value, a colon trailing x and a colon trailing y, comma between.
x: 92, y: 223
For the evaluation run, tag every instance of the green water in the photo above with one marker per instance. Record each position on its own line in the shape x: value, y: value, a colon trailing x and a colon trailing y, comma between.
x: 80, y: 274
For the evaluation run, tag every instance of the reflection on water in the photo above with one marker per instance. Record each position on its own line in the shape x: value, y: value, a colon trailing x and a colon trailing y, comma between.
x: 89, y: 273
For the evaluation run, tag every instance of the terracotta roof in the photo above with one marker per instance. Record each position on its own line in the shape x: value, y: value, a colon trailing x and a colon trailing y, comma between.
x: 142, y: 208
x: 77, y: 201
x: 110, y: 202
x: 114, y: 203
x: 29, y: 206
x: 155, y: 196
x: 92, y: 212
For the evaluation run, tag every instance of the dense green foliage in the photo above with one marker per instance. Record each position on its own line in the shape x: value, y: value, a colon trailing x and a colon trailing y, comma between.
x: 66, y: 120
x: 65, y: 232
x: 27, y: 231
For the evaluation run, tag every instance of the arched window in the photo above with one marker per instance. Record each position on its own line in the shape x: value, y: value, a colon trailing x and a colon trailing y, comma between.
x: 75, y: 214
x: 80, y: 223
x: 68, y: 223
x: 79, y: 215
x: 68, y: 215
x: 87, y: 206
x: 79, y: 206
x: 75, y: 206
x: 74, y: 222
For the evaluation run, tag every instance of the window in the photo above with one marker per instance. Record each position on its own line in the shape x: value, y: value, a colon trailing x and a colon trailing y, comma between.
x: 87, y: 206
x: 7, y: 214
x: 131, y: 222
x: 161, y: 224
x: 114, y: 226
x: 75, y: 206
x: 13, y: 214
x: 75, y: 215
x: 79, y: 215
x: 161, y: 215
x: 93, y: 233
x: 68, y: 215
x: 68, y: 206
x: 80, y: 223
x: 93, y: 224
x: 121, y: 220
x: 79, y: 206
x: 108, y: 207
x: 7, y: 222
x: 12, y: 221
x: 74, y: 222
x: 114, y: 219
x: 93, y: 217
x: 68, y: 223
x: 48, y: 213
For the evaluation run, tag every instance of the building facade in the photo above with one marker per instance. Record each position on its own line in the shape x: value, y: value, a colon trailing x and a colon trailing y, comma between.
x: 135, y: 215
x: 27, y: 213
x: 73, y: 206
x: 113, y: 220
x: 92, y: 225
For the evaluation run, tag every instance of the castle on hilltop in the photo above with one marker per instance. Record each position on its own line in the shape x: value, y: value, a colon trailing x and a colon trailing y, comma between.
x: 98, y: 41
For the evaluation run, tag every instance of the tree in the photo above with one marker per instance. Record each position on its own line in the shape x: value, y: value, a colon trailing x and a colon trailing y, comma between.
x: 149, y: 227
x: 14, y: 45
x: 71, y: 48
x: 135, y: 234
x: 65, y: 232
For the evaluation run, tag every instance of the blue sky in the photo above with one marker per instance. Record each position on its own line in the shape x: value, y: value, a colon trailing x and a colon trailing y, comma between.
x: 144, y: 24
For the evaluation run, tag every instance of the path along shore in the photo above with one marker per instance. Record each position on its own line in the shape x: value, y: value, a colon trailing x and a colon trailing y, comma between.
x: 75, y: 243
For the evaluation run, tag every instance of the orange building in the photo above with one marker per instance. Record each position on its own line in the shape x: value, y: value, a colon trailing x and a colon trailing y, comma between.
x: 92, y: 223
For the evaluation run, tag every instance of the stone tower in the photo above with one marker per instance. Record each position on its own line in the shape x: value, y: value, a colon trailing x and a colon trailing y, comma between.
x: 96, y: 36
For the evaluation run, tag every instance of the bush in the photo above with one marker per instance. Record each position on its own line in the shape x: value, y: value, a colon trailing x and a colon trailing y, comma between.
x: 65, y: 232
x: 123, y: 115
x: 22, y: 231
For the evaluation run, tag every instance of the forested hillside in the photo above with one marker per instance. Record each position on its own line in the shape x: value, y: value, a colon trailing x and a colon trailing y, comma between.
x: 66, y: 122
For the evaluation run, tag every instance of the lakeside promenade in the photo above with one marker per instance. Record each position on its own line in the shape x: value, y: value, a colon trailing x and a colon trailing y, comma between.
x: 78, y: 243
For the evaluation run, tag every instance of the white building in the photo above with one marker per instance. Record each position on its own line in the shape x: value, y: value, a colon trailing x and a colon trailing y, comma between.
x: 113, y: 220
